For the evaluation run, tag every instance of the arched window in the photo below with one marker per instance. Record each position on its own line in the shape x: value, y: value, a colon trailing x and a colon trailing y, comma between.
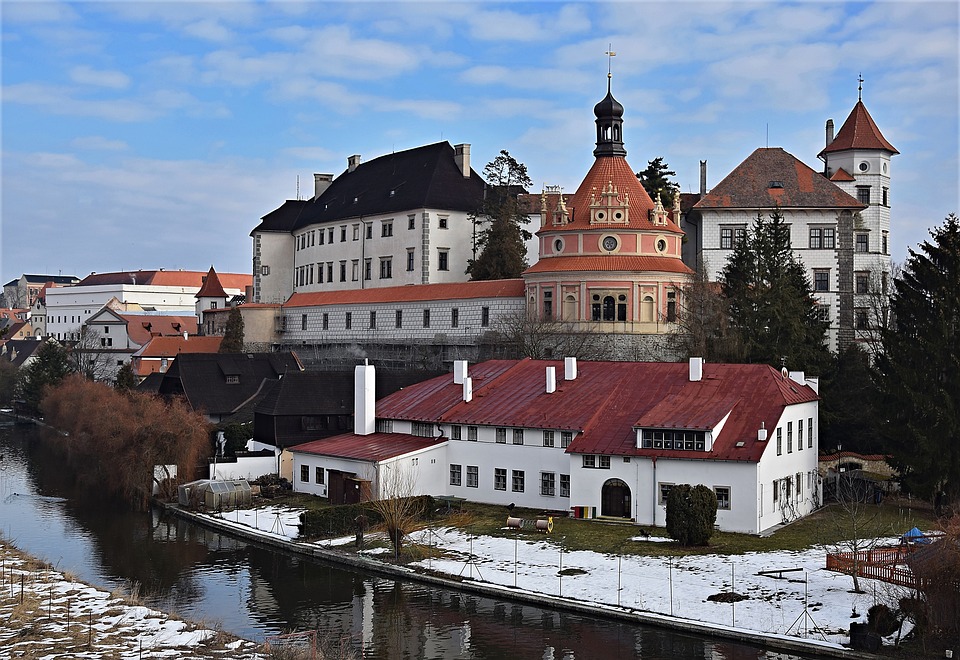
x: 646, y: 309
x: 608, y: 308
x: 570, y: 308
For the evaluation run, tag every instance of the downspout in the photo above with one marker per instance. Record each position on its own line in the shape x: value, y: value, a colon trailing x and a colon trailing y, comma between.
x: 653, y: 459
x: 363, y: 255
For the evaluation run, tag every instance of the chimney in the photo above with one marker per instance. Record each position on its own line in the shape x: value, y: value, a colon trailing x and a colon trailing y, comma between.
x: 829, y: 132
x: 703, y: 178
x: 798, y: 377
x: 184, y: 335
x: 459, y: 371
x: 352, y: 162
x: 696, y: 369
x: 468, y: 390
x: 570, y: 368
x: 461, y: 155
x: 364, y: 399
x: 762, y: 433
x: 320, y: 184
x: 551, y: 380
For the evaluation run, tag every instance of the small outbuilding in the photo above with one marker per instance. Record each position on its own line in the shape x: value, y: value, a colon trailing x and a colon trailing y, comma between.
x: 215, y: 494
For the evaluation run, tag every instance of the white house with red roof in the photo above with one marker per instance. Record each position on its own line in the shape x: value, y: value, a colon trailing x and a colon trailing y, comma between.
x: 598, y: 438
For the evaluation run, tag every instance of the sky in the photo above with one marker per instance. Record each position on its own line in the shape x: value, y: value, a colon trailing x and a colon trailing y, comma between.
x: 156, y: 135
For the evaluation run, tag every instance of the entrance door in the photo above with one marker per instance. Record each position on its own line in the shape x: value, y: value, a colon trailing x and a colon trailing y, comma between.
x: 615, y: 499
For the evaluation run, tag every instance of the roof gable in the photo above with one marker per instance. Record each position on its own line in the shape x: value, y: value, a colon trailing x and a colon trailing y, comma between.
x: 211, y: 286
x: 859, y: 131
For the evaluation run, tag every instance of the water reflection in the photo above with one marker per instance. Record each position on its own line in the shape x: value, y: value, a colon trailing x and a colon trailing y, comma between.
x: 255, y: 592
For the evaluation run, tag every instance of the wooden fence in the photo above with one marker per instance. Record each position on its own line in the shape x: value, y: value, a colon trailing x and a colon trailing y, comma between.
x: 884, y: 564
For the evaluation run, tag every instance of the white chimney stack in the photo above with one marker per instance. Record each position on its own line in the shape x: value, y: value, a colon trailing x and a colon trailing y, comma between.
x: 468, y: 389
x: 551, y: 380
x: 762, y: 433
x: 353, y: 162
x: 570, y: 368
x: 364, y: 399
x: 320, y: 184
x: 461, y: 156
x: 696, y: 369
x: 459, y: 371
x: 185, y: 335
x: 798, y: 377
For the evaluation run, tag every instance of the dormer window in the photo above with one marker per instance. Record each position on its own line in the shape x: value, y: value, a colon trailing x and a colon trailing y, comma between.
x: 233, y: 380
x: 674, y: 439
x: 776, y: 184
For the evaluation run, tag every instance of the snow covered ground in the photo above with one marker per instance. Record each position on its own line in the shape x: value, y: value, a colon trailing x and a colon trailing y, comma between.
x: 810, y: 602
x: 47, y: 614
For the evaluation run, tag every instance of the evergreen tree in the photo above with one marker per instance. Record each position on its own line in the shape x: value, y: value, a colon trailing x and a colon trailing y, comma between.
x: 691, y: 514
x: 126, y: 379
x: 233, y: 333
x: 502, y: 243
x: 49, y: 366
x: 920, y: 367
x: 848, y: 403
x: 770, y: 302
x: 654, y: 180
x: 8, y: 382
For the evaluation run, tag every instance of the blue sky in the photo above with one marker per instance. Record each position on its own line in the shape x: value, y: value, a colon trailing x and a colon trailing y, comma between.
x: 148, y: 135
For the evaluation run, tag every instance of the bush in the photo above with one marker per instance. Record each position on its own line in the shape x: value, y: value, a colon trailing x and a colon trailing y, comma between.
x: 882, y: 620
x: 341, y: 520
x: 691, y: 514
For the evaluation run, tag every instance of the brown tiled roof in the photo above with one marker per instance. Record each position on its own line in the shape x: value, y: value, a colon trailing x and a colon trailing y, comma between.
x: 141, y: 327
x: 211, y: 286
x: 373, y: 447
x: 842, y: 175
x: 421, y: 292
x: 185, y: 278
x: 859, y: 131
x: 771, y: 177
x: 609, y: 263
x: 171, y: 346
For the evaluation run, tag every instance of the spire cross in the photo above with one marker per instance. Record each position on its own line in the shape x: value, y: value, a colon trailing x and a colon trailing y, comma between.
x: 860, y: 87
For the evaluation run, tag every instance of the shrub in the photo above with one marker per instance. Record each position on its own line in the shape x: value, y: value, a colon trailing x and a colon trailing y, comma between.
x: 691, y: 514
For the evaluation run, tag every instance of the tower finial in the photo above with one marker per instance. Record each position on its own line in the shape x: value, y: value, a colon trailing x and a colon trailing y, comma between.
x: 610, y: 55
x: 860, y: 87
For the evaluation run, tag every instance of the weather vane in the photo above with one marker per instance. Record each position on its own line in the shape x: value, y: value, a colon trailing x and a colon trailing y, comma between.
x: 610, y: 55
x: 860, y: 87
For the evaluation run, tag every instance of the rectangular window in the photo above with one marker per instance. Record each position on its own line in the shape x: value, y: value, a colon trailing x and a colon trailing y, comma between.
x: 800, y: 435
x: 821, y: 280
x: 484, y: 316
x: 502, y: 436
x: 319, y: 475
x: 809, y: 432
x: 564, y: 485
x: 386, y: 268
x: 863, y: 194
x: 442, y: 222
x: 348, y: 322
x: 305, y: 473
x: 471, y: 434
x: 816, y: 234
x: 326, y: 321
x: 320, y: 271
x: 726, y: 238
x: 386, y: 229
x: 829, y: 238
x: 862, y: 283
x: 330, y: 235
x: 454, y: 317
x: 343, y: 271
x: 884, y: 242
x: 443, y: 260
x: 426, y: 318
x: 410, y: 259
x: 456, y: 432
x: 454, y: 474
x: 355, y: 270
x: 823, y: 313
x: 373, y: 320
x: 863, y: 243
x: 548, y: 484
x: 356, y: 232
x: 368, y: 268
x: 789, y: 437
x: 517, y: 481
x: 343, y: 234
x: 323, y: 235
x: 473, y: 476
x: 589, y: 461
x: 886, y: 197
x: 723, y: 497
x: 368, y: 230
x: 603, y: 462
x: 665, y: 493
x: 861, y: 320
x: 303, y: 321
x: 422, y: 429
x: 399, y: 321
x: 411, y: 222
x: 518, y: 436
x: 779, y: 442
x: 329, y: 271
x: 566, y: 437
x: 499, y: 478
x: 548, y: 438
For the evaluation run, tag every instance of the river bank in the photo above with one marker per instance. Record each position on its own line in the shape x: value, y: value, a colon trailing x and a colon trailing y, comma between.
x: 46, y: 613
x: 494, y: 568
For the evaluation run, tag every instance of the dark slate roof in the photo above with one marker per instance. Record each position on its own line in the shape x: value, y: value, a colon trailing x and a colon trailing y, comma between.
x: 151, y: 384
x: 859, y: 131
x: 56, y: 279
x: 16, y: 351
x: 201, y: 377
x: 282, y: 219
x: 771, y: 177
x: 424, y: 177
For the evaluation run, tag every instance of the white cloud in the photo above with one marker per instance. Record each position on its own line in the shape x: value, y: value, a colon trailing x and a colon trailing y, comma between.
x: 85, y: 75
x: 509, y: 25
x: 208, y: 29
x: 98, y: 143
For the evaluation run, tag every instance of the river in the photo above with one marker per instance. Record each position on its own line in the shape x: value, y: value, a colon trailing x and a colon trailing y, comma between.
x: 208, y: 577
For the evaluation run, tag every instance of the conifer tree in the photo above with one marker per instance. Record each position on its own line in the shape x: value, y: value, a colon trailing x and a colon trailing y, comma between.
x: 50, y: 366
x: 126, y: 379
x: 502, y: 243
x: 770, y: 301
x: 655, y: 181
x: 233, y: 333
x: 920, y: 367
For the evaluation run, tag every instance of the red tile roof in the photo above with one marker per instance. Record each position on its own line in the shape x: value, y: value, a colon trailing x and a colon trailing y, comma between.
x: 771, y: 177
x: 421, y: 292
x: 608, y: 400
x: 141, y: 327
x: 859, y: 131
x: 211, y: 286
x: 609, y: 263
x: 185, y: 278
x: 171, y: 346
x: 373, y: 447
x: 842, y: 175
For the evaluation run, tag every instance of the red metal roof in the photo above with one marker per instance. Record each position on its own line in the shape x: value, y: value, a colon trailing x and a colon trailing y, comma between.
x: 608, y: 400
x: 609, y: 263
x: 373, y: 447
x: 859, y: 131
x: 421, y: 292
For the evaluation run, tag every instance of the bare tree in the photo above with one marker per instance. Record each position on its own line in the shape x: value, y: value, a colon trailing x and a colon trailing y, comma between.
x: 703, y: 322
x: 857, y: 523
x: 396, y: 502
x: 89, y: 355
x: 872, y: 318
x: 525, y: 335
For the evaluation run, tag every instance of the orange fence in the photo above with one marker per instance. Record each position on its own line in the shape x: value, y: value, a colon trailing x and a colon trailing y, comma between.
x: 878, y: 563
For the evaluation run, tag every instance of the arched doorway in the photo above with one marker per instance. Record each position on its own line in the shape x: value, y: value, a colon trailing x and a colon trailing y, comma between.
x: 615, y: 499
